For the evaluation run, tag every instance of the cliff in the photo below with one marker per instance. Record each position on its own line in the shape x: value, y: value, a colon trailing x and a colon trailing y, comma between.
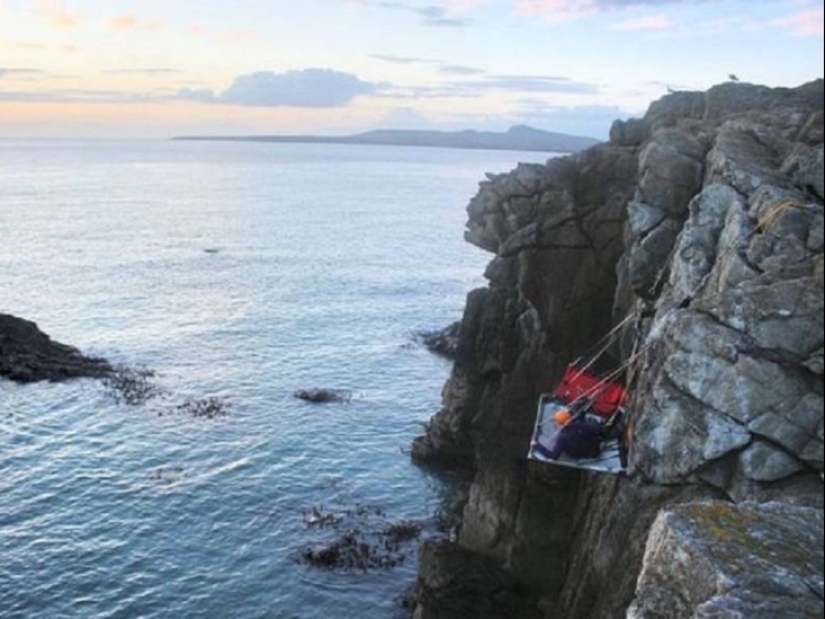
x: 703, y: 223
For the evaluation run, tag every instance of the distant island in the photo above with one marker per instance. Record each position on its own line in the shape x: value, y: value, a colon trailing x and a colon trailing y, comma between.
x: 517, y: 138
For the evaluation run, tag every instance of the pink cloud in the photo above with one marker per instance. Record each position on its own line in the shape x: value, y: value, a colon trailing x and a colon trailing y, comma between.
x: 805, y: 24
x: 56, y: 14
x: 132, y: 22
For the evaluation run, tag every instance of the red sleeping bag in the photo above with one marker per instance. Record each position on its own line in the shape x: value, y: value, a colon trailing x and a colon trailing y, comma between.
x: 609, y: 397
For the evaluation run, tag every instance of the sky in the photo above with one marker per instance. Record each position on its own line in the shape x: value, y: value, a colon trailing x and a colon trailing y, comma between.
x: 159, y: 68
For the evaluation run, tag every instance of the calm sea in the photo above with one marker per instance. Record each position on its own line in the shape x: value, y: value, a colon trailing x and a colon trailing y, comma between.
x: 242, y: 272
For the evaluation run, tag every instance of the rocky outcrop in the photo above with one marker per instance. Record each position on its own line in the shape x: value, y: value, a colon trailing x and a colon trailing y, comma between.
x: 703, y: 222
x: 443, y: 342
x: 28, y: 355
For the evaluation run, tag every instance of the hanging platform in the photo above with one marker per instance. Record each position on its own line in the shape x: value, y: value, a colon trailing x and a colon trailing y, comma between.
x: 596, y: 427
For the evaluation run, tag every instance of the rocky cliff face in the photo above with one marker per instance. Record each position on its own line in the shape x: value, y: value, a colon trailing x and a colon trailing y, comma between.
x: 703, y: 222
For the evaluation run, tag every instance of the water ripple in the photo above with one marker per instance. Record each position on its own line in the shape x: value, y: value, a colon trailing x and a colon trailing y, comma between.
x: 327, y: 261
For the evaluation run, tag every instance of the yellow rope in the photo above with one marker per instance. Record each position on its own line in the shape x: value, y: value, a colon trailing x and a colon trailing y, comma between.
x: 768, y: 221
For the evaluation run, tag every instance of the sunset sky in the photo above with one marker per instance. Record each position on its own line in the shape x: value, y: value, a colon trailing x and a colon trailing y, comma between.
x: 157, y: 68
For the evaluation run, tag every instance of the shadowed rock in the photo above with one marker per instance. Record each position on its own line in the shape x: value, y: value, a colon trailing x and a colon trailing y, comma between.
x: 28, y: 355
x: 443, y: 342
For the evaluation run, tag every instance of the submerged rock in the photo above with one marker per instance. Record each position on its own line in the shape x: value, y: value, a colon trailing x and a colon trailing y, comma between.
x: 28, y: 355
x: 323, y: 396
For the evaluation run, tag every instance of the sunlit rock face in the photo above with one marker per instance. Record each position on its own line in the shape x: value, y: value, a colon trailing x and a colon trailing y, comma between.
x: 702, y: 221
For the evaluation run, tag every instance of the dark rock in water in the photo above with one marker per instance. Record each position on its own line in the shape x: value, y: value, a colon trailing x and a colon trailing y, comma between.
x: 323, y: 396
x: 28, y: 355
x: 443, y: 342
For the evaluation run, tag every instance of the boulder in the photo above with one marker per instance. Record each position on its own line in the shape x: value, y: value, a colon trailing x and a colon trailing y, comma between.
x: 721, y: 561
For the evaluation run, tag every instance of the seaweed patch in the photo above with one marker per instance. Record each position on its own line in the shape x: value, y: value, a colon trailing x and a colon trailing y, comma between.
x: 362, y: 539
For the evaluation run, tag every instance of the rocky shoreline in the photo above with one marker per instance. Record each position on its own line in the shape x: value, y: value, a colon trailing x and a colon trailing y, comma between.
x: 28, y: 355
x: 703, y: 223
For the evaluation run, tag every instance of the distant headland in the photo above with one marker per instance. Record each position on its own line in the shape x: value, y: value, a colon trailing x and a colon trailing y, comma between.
x: 521, y: 138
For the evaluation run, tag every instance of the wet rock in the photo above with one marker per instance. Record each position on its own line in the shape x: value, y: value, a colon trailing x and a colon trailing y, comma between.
x: 718, y: 560
x: 443, y: 342
x: 323, y: 396
x: 28, y: 355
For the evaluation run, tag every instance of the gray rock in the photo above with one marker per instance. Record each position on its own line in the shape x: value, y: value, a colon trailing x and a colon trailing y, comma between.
x: 647, y: 259
x: 668, y: 178
x: 762, y: 461
x: 631, y: 133
x: 716, y: 560
x: 742, y: 159
x: 811, y: 175
x: 642, y: 219
x: 699, y: 244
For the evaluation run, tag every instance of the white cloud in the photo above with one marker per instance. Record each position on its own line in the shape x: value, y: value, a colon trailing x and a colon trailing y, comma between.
x: 310, y: 88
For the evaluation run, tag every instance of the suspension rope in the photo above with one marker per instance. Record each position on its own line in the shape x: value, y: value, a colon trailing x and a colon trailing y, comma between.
x: 596, y: 390
x: 610, y: 339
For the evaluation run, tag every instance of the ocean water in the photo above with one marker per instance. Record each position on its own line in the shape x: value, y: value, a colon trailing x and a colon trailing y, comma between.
x: 242, y: 272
